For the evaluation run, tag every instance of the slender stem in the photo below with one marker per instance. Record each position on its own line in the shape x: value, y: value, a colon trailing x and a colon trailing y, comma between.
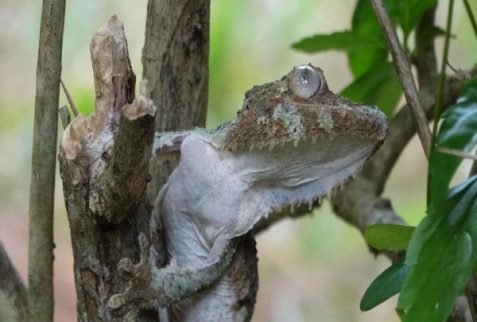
x: 442, y: 76
x: 405, y: 75
x: 74, y: 109
x: 471, y: 288
x: 42, y: 187
x: 457, y: 153
x: 471, y: 16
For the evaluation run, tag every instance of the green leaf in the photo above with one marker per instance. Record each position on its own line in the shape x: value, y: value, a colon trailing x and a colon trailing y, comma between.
x: 388, y: 236
x: 344, y: 40
x: 442, y: 281
x: 441, y: 256
x: 458, y: 131
x: 387, y: 284
x: 409, y: 13
x: 378, y: 86
x: 364, y: 24
x: 425, y: 229
x: 388, y: 96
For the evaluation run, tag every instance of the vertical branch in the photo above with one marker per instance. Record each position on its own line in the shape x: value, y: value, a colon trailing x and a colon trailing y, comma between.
x: 405, y: 76
x: 473, y: 23
x: 40, y: 258
x: 175, y: 60
x: 425, y: 53
x: 442, y: 76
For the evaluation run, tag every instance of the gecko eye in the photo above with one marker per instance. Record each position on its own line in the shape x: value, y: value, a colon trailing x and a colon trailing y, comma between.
x: 304, y: 81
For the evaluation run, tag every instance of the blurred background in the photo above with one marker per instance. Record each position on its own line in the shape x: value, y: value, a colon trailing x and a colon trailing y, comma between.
x: 314, y: 268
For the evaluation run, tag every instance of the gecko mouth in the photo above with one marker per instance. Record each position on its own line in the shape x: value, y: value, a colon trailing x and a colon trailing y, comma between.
x: 289, y: 178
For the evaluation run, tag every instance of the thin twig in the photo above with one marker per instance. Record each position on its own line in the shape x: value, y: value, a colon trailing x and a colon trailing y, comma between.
x: 405, y: 75
x: 442, y: 77
x: 464, y: 77
x: 471, y: 288
x: 457, y: 153
x: 74, y: 109
x: 471, y: 16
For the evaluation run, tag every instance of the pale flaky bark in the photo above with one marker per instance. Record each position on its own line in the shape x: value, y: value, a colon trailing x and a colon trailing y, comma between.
x: 175, y: 60
x: 104, y: 162
x: 40, y: 255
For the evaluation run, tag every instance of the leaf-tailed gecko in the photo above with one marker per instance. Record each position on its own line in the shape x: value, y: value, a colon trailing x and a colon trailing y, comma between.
x: 291, y: 144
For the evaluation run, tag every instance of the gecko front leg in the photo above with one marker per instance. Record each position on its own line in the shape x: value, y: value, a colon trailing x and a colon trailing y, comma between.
x: 150, y: 286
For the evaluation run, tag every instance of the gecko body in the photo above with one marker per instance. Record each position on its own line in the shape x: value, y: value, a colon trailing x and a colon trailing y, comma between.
x: 291, y: 144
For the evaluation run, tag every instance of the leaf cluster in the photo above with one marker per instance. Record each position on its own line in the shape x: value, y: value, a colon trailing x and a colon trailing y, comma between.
x: 441, y: 252
x: 374, y: 79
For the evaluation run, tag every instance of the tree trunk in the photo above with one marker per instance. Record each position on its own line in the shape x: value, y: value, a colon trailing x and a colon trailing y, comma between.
x: 175, y: 60
x: 104, y: 162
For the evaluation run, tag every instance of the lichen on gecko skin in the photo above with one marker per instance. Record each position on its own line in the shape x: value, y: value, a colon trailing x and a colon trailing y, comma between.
x: 292, y: 143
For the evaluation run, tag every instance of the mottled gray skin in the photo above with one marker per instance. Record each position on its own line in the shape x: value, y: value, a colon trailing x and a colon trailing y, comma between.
x: 280, y: 153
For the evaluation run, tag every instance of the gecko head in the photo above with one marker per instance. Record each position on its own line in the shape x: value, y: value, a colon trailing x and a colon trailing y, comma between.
x: 298, y: 107
x: 294, y: 142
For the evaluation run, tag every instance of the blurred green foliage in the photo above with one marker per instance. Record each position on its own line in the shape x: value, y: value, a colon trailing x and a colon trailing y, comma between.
x: 249, y: 45
x: 441, y: 254
x: 389, y: 236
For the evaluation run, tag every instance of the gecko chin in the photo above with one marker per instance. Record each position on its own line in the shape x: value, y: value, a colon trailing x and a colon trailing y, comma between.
x: 294, y: 176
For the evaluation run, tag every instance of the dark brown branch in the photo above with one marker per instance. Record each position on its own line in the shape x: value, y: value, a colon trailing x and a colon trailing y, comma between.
x: 175, y: 60
x: 405, y: 75
x: 13, y: 293
x: 425, y: 54
x: 42, y: 187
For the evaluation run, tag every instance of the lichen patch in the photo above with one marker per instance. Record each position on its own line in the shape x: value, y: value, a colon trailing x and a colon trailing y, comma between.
x: 291, y: 118
x: 325, y: 121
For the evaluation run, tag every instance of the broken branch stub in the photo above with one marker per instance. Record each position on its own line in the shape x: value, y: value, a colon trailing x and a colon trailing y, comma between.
x: 116, y: 140
x: 104, y: 160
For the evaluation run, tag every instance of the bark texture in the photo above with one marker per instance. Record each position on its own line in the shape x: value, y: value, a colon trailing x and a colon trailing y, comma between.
x: 104, y: 162
x: 13, y: 293
x: 42, y: 187
x: 175, y: 60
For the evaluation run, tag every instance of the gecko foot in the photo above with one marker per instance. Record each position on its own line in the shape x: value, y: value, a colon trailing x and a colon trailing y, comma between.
x: 139, y: 291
